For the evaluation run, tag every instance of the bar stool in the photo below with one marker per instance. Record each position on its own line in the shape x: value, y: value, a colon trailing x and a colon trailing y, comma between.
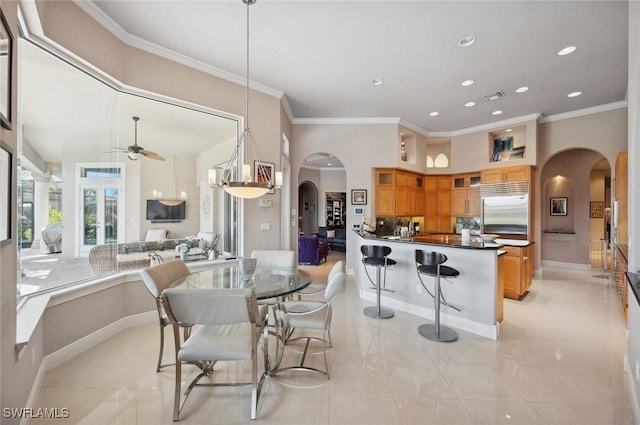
x: 377, y: 256
x: 430, y: 264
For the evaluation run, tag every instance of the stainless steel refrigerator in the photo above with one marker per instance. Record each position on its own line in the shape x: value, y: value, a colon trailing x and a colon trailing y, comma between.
x: 505, y: 208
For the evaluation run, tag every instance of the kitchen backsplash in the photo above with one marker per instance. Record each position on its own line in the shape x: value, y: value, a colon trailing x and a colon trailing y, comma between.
x: 471, y: 223
x: 386, y: 225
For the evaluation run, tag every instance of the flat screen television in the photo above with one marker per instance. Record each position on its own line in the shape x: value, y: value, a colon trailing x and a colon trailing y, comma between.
x: 159, y: 211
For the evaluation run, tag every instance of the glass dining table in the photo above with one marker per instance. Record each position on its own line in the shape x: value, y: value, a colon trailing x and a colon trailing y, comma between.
x: 268, y: 283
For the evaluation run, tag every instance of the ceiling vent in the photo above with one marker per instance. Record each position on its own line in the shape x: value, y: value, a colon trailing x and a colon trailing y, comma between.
x: 494, y: 96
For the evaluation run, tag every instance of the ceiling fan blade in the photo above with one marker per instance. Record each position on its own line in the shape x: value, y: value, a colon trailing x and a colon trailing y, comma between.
x: 151, y: 155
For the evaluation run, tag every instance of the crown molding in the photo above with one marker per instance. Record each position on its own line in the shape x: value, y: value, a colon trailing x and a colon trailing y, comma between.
x: 103, y: 19
x: 487, y: 127
x: 586, y: 111
x: 411, y: 126
x: 346, y: 121
x: 287, y: 108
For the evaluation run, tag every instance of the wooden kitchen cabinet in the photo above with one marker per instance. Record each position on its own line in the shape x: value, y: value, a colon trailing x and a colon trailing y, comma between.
x: 465, y: 195
x: 517, y: 271
x: 385, y: 192
x: 437, y: 204
x: 399, y: 193
x: 440, y: 182
x: 506, y: 174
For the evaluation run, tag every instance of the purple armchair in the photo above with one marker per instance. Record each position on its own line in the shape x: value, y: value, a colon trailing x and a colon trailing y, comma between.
x: 311, y: 250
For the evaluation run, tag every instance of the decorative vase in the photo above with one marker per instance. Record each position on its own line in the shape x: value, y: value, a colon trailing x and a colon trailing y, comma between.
x: 248, y: 267
x: 183, y: 255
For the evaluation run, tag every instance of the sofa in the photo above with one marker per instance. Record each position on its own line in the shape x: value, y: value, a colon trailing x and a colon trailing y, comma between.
x: 311, y: 250
x: 135, y: 255
x: 103, y: 258
x: 336, y: 238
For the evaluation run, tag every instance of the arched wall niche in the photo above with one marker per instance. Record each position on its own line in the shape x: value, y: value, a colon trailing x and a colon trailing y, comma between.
x: 566, y: 238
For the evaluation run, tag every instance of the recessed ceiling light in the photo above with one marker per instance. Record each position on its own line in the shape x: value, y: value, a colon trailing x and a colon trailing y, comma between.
x: 508, y: 130
x: 377, y: 82
x: 434, y: 113
x: 467, y: 83
x: 469, y: 104
x: 566, y: 50
x: 522, y: 89
x: 574, y: 94
x: 498, y: 112
x: 467, y: 41
x: 329, y: 164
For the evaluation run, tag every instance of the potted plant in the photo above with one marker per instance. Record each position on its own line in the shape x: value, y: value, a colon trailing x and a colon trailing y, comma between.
x: 183, y: 249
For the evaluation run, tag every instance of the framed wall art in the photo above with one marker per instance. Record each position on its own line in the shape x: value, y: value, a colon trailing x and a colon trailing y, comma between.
x: 6, y: 46
x: 265, y: 173
x: 359, y: 196
x: 596, y: 209
x: 6, y: 158
x: 558, y: 206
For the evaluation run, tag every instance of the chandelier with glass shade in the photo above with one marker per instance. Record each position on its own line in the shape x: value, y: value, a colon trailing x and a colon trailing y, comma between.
x: 238, y: 181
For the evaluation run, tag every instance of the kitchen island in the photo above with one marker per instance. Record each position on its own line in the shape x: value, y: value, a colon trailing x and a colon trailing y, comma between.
x: 476, y: 291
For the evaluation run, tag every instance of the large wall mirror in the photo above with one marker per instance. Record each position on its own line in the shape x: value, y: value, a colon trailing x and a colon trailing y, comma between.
x: 78, y: 186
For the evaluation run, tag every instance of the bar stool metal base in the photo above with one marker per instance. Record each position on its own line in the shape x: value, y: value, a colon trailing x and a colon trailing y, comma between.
x: 444, y: 335
x: 372, y: 311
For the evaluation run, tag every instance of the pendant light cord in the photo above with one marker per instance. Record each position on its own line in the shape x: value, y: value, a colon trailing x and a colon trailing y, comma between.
x: 246, y: 111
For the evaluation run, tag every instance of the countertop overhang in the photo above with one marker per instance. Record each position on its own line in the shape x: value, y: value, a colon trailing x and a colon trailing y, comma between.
x: 452, y: 240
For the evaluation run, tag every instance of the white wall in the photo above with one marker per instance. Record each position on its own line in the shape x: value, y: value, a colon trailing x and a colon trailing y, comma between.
x: 633, y: 96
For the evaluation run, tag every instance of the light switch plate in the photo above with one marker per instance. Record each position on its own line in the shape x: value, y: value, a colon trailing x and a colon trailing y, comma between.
x: 265, y: 226
x: 265, y: 203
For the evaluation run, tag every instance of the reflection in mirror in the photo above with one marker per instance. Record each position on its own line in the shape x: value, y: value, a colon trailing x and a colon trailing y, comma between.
x: 82, y: 195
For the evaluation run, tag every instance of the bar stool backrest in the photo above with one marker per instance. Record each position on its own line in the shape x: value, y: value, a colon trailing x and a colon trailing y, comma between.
x: 430, y: 258
x: 375, y: 251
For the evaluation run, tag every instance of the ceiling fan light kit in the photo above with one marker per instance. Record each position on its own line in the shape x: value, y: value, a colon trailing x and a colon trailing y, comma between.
x: 135, y: 151
x: 244, y: 187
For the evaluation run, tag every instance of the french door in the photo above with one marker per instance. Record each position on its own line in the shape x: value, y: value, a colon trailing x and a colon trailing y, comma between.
x: 100, y: 208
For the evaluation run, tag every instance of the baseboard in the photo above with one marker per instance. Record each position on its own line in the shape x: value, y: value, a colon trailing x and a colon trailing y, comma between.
x: 68, y: 352
x: 487, y: 331
x: 632, y: 389
x: 563, y: 265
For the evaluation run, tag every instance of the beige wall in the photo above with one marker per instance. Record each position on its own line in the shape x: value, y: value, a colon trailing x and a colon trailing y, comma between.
x: 12, y: 373
x: 359, y: 147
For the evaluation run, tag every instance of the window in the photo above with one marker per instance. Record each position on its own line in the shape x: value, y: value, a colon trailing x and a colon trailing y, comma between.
x: 78, y: 189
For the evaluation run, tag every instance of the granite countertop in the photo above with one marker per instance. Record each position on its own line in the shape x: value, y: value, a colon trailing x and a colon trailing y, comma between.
x: 451, y: 240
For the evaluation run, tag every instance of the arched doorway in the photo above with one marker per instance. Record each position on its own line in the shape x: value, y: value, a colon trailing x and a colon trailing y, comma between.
x: 574, y: 186
x: 307, y: 205
x: 320, y: 174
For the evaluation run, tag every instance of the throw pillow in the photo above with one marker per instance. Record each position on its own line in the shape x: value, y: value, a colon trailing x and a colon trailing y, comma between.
x: 331, y: 233
x: 155, y: 235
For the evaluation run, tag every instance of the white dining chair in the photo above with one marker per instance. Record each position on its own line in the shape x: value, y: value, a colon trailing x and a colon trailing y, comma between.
x: 311, y: 316
x: 228, y: 328
x: 316, y: 288
x: 157, y: 279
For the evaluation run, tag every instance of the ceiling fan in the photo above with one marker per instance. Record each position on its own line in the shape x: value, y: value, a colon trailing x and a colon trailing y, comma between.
x: 135, y: 151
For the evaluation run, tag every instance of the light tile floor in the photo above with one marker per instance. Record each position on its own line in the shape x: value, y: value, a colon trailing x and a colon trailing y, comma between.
x: 559, y: 361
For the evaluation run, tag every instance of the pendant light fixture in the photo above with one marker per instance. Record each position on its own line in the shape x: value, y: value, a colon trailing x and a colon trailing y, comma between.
x: 175, y: 201
x: 239, y: 182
